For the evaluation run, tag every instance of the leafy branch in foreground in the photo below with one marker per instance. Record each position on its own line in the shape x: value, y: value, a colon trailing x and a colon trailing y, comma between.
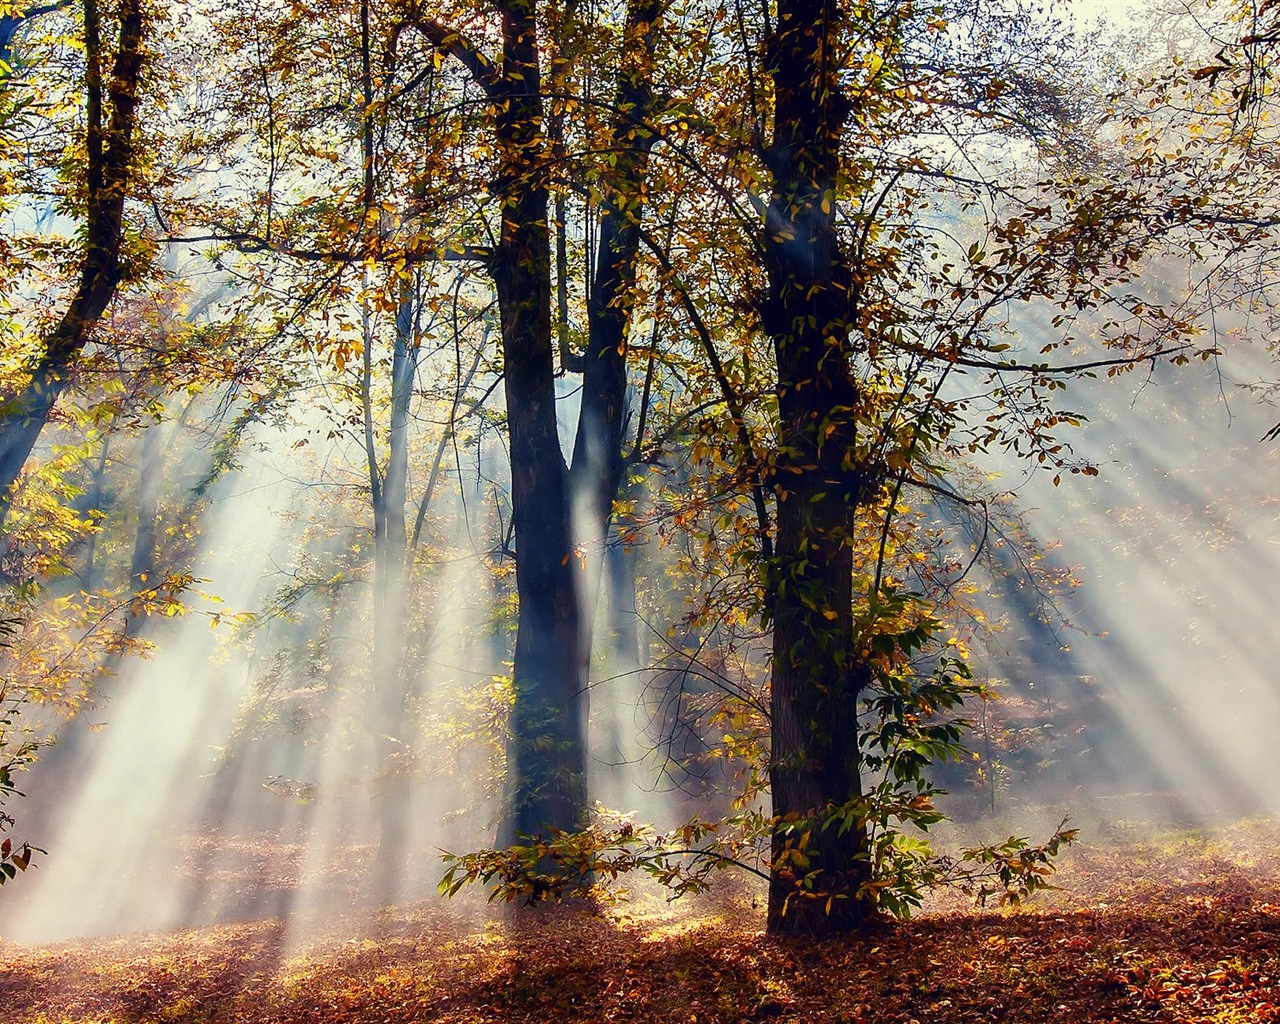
x: 570, y: 865
x: 908, y: 725
x: 567, y: 865
x: 14, y: 857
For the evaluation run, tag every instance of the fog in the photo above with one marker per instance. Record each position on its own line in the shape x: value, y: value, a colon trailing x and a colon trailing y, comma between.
x: 1160, y: 661
x: 237, y: 768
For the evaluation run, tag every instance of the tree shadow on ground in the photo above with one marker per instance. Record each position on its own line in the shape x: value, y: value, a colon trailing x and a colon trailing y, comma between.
x: 1173, y: 931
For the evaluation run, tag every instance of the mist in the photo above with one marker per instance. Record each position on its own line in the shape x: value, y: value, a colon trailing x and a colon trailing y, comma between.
x: 1144, y: 691
x: 320, y: 712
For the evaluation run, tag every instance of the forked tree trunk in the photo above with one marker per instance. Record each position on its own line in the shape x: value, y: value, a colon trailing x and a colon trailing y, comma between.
x: 817, y: 868
x: 548, y: 760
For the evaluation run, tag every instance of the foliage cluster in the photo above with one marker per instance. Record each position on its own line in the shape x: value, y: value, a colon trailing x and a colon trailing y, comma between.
x: 800, y: 295
x: 15, y: 756
x: 17, y: 753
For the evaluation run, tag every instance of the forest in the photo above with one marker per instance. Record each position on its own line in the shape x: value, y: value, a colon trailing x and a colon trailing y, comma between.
x: 657, y: 510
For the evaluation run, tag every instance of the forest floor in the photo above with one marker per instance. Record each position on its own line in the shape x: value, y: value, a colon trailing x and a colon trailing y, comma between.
x: 1181, y: 927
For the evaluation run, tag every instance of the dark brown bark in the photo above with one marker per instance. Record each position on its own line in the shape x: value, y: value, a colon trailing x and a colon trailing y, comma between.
x: 817, y: 674
x: 548, y: 754
x: 548, y: 724
x: 109, y: 150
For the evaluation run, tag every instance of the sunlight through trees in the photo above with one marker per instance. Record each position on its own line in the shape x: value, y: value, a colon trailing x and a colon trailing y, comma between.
x: 606, y: 441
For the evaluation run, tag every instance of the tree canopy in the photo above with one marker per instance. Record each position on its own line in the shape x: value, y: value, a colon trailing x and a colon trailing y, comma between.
x: 654, y: 341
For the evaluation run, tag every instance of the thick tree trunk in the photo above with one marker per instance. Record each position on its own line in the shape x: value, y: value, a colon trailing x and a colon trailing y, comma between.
x: 109, y: 150
x: 548, y: 761
x: 817, y: 868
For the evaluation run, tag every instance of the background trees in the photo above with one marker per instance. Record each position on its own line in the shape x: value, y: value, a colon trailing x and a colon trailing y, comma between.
x: 776, y: 274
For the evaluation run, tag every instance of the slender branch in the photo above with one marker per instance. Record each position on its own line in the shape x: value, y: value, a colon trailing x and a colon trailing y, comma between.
x: 248, y: 242
x: 731, y: 399
x: 441, y: 445
x: 723, y: 858
x: 1043, y: 368
x: 453, y: 43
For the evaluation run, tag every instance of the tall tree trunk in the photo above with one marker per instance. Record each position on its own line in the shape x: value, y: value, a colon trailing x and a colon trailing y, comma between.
x: 392, y: 747
x: 598, y: 447
x: 548, y: 760
x: 817, y: 869
x: 142, y: 563
x: 109, y: 146
x: 598, y: 456
x: 390, y: 580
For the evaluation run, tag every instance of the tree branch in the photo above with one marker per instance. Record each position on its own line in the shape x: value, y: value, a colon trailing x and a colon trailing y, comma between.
x: 453, y: 43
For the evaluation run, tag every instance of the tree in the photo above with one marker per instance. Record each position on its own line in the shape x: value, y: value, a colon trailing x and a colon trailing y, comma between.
x: 549, y: 718
x: 866, y: 333
x: 14, y: 757
x: 111, y: 105
x: 818, y: 676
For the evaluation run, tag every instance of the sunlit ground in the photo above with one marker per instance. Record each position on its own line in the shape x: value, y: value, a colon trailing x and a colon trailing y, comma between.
x: 1178, y: 925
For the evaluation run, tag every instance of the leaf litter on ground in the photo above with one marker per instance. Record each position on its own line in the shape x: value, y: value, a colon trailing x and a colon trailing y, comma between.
x: 1178, y: 926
